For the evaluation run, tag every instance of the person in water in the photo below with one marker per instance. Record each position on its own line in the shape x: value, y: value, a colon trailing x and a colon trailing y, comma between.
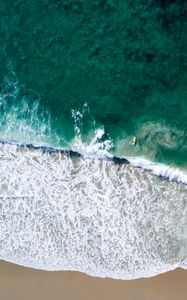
x: 134, y: 140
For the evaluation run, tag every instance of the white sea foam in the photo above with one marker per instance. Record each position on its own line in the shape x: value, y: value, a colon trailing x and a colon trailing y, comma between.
x: 22, y: 117
x: 90, y: 215
x: 96, y: 144
x: 172, y: 173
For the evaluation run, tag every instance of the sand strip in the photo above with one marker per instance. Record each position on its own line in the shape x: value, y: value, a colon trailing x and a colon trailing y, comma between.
x: 20, y: 283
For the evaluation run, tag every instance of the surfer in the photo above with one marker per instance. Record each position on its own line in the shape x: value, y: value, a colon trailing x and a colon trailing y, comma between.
x: 134, y: 140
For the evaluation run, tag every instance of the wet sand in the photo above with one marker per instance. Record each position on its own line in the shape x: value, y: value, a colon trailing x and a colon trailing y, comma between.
x: 19, y: 283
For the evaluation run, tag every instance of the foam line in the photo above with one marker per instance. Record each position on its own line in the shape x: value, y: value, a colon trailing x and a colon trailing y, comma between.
x: 169, y: 173
x: 173, y: 174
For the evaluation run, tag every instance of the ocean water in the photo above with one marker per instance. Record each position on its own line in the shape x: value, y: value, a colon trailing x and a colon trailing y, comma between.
x: 91, y: 76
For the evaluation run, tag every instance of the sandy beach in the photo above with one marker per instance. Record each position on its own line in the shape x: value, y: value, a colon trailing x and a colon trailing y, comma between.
x: 19, y: 283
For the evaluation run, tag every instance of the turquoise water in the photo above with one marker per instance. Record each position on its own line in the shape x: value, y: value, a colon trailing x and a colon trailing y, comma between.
x: 80, y: 73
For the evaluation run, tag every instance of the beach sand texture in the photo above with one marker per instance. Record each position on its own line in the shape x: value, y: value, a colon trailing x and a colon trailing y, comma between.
x: 20, y: 283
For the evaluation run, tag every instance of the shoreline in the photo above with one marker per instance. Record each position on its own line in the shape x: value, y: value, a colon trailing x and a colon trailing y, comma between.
x: 20, y: 283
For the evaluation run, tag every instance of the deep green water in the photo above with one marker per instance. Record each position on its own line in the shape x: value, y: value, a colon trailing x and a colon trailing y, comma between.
x: 125, y: 59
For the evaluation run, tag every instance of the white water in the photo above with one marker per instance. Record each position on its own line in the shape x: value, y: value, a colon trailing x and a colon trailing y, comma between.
x: 94, y: 216
x: 172, y: 173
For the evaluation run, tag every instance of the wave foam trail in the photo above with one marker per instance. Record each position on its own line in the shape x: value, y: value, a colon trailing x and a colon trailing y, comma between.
x: 97, y: 143
x: 173, y: 174
x: 21, y: 114
x: 95, y: 216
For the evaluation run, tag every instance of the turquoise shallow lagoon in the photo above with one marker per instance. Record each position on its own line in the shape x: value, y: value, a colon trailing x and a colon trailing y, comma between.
x: 98, y: 73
